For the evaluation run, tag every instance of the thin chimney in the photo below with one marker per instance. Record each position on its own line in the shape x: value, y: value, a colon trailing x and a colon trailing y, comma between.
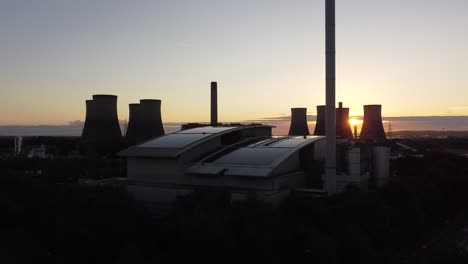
x: 214, y: 103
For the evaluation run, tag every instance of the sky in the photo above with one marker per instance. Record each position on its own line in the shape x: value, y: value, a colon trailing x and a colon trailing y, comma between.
x: 267, y: 56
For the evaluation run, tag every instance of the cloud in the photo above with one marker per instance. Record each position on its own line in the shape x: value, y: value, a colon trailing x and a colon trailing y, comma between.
x: 76, y: 123
x: 280, y: 118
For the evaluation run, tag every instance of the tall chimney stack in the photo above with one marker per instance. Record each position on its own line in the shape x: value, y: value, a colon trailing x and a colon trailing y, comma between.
x: 214, y: 103
x: 330, y: 53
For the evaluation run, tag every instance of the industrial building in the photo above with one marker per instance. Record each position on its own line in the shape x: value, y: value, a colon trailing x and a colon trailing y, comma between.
x: 246, y: 158
x: 240, y: 159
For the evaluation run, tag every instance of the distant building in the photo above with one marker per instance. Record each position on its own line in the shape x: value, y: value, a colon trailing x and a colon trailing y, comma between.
x: 38, y: 152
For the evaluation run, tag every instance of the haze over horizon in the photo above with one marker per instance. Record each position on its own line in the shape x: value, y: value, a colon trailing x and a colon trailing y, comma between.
x: 281, y: 125
x: 267, y: 56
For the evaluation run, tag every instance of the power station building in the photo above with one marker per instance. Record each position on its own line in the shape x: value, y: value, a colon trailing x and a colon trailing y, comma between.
x: 239, y: 159
x: 245, y: 159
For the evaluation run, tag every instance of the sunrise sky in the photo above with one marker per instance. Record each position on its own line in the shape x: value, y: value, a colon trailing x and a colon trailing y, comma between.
x: 411, y: 56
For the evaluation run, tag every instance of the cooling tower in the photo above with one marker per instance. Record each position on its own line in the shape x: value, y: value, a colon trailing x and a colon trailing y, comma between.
x: 101, y: 132
x: 372, y: 128
x: 343, y: 128
x: 151, y: 121
x: 132, y: 136
x: 320, y: 123
x: 106, y: 124
x: 214, y: 103
x: 89, y: 120
x: 299, y: 122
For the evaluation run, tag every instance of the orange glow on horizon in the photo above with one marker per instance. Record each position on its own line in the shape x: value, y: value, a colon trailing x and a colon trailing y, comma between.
x: 354, y: 122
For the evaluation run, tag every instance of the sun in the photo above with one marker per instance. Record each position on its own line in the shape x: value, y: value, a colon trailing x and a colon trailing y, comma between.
x: 355, y: 122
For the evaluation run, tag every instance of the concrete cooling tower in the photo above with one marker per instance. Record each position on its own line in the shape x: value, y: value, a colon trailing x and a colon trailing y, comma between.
x: 320, y: 123
x: 343, y: 128
x: 89, y: 120
x: 101, y: 133
x: 299, y: 122
x: 151, y: 125
x: 133, y: 135
x: 106, y: 124
x: 372, y: 128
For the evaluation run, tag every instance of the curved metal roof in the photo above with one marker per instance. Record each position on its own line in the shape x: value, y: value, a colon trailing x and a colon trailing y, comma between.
x: 258, y: 159
x: 174, y: 144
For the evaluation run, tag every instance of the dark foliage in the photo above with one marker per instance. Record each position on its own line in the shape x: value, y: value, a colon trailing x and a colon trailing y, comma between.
x: 64, y: 170
x: 69, y: 223
x: 61, y: 223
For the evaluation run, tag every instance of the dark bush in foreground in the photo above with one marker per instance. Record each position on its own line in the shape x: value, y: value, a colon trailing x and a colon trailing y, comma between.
x: 69, y: 223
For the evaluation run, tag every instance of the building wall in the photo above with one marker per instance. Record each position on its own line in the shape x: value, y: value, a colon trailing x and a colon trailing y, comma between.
x: 291, y: 164
x: 155, y: 171
x: 235, y: 182
x: 253, y: 183
x: 320, y: 149
x: 381, y: 164
x: 158, y: 199
x: 361, y: 181
x: 290, y: 181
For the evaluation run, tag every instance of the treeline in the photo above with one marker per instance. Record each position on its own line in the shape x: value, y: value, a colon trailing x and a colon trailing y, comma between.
x: 64, y: 170
x: 68, y: 223
x: 437, y: 144
x: 46, y: 222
